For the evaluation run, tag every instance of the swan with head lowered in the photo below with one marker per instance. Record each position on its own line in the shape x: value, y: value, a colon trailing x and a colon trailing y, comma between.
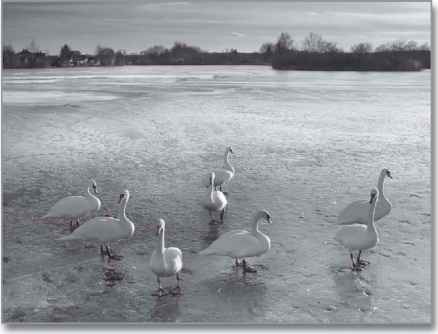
x: 217, y: 202
x: 357, y: 212
x: 241, y: 244
x: 224, y: 175
x: 360, y: 237
x: 106, y: 229
x: 166, y: 262
x: 75, y: 207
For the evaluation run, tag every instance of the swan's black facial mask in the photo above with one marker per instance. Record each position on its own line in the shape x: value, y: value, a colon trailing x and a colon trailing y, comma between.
x: 121, y: 197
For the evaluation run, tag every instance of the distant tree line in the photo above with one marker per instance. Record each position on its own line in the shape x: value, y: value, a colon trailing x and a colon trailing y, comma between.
x: 315, y: 53
x: 319, y: 54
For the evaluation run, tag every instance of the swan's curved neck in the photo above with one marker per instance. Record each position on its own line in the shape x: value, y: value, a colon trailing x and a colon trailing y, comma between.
x: 380, y: 184
x: 371, y: 225
x: 123, y: 210
x: 227, y: 162
x: 256, y: 226
x: 160, y: 244
x: 212, y: 190
x: 90, y: 194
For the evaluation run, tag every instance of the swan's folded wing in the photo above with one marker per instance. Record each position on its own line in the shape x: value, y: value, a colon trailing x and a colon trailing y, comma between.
x: 356, y: 212
x: 99, y: 228
x: 173, y: 258
x: 238, y: 244
x: 349, y: 236
x: 222, y: 176
x: 69, y: 206
x: 173, y: 252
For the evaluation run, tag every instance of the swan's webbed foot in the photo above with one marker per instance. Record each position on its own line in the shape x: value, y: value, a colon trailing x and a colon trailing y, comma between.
x: 247, y: 268
x: 213, y: 222
x: 176, y: 291
x: 159, y: 293
x: 363, y: 263
x: 116, y: 257
x: 356, y: 268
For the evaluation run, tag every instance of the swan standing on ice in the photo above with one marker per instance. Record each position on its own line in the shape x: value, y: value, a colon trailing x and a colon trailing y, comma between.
x: 224, y: 175
x: 216, y: 201
x: 166, y: 262
x: 357, y: 212
x: 106, y: 229
x: 241, y: 244
x: 359, y: 237
x: 74, y: 207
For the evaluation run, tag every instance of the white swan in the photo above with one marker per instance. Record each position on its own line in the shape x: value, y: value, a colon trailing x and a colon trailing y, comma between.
x: 241, y: 244
x: 75, y: 207
x: 165, y: 262
x: 216, y: 201
x: 225, y: 174
x: 106, y: 229
x: 359, y: 237
x: 357, y: 212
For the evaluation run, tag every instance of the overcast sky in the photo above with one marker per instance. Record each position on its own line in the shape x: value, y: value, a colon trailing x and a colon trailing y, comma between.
x: 209, y: 24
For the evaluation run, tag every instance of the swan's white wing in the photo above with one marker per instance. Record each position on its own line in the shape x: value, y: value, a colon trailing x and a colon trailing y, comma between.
x: 355, y: 213
x: 219, y: 201
x: 72, y: 206
x: 99, y: 228
x: 232, y: 232
x: 174, y: 259
x: 222, y: 176
x: 383, y: 208
x: 351, y: 236
x: 237, y: 245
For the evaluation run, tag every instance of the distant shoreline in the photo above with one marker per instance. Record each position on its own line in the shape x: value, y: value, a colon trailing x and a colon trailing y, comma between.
x: 315, y: 55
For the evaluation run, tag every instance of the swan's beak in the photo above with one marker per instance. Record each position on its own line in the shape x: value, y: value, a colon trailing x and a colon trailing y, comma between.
x: 372, y: 198
x: 158, y: 230
x: 389, y: 175
x: 269, y: 220
x: 95, y: 189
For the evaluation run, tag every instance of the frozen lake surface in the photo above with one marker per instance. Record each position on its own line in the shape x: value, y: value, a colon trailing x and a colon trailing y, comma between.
x: 305, y: 143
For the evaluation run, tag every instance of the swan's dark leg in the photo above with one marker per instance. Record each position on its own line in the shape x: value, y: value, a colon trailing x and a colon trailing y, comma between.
x: 160, y: 292
x: 356, y: 266
x: 237, y: 263
x: 222, y: 215
x: 77, y: 223
x: 361, y: 263
x: 246, y: 268
x: 177, y: 290
x: 71, y: 226
x: 353, y: 265
x: 102, y: 251
x: 212, y: 220
x: 111, y: 255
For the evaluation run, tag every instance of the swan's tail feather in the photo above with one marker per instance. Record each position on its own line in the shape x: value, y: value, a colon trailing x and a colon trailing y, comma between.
x: 67, y: 237
x: 206, y: 251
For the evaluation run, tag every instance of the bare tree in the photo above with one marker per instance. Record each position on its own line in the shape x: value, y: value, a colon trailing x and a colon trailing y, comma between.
x: 315, y: 43
x: 284, y: 43
x: 362, y: 48
x: 267, y: 48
